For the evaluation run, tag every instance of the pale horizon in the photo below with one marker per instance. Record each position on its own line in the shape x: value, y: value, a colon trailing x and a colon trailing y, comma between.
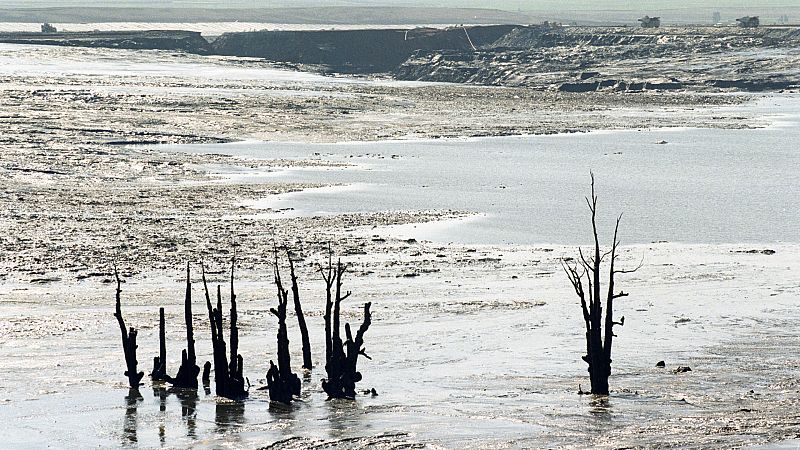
x: 508, y: 5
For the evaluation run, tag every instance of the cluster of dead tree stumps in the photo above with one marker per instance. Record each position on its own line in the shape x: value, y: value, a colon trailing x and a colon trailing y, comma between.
x: 341, y: 357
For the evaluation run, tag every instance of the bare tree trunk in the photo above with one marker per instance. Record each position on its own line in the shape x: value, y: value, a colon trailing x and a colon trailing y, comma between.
x: 160, y: 362
x: 186, y: 377
x: 599, y: 328
x: 188, y: 318
x: 301, y: 320
x: 236, y: 378
x: 220, y: 369
x: 227, y: 377
x: 328, y: 277
x: 128, y: 342
x: 341, y: 365
x: 207, y: 375
x: 283, y: 385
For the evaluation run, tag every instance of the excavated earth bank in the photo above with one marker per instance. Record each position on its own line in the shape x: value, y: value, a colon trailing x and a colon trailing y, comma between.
x: 545, y: 57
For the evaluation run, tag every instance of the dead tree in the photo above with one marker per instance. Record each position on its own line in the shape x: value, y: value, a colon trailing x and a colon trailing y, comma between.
x: 217, y: 342
x: 283, y: 385
x: 301, y: 319
x: 235, y: 375
x: 207, y: 374
x: 159, y: 372
x: 188, y: 371
x: 128, y: 342
x: 599, y: 328
x: 228, y: 378
x: 329, y: 278
x: 341, y: 357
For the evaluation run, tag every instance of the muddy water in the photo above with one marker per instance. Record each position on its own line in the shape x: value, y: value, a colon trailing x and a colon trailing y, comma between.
x: 469, y: 357
x: 483, y: 350
x: 476, y: 355
x: 684, y: 185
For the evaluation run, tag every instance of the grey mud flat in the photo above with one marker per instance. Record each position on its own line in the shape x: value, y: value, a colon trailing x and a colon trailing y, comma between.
x: 73, y: 172
x: 78, y: 193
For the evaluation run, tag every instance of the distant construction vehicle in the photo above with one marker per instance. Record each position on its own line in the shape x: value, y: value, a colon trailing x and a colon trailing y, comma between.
x: 748, y: 22
x: 650, y: 22
x: 47, y: 28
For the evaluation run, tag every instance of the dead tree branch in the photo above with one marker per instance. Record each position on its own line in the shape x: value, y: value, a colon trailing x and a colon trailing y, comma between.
x: 128, y: 341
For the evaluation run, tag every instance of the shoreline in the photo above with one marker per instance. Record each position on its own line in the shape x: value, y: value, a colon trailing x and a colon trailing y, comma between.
x: 496, y: 328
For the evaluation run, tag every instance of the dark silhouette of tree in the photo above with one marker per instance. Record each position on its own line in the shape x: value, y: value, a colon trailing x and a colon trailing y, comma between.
x: 341, y: 357
x: 186, y: 378
x: 283, y: 385
x: 159, y: 372
x: 599, y: 328
x: 128, y: 342
x: 228, y: 378
x: 207, y: 377
x: 235, y: 367
x: 330, y: 279
x: 301, y: 319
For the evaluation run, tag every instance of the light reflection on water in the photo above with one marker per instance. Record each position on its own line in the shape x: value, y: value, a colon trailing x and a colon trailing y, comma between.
x: 456, y: 378
x: 701, y: 186
x: 130, y: 425
x: 461, y: 379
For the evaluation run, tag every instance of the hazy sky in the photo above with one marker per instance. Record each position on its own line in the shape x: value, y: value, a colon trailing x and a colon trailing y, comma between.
x: 540, y: 5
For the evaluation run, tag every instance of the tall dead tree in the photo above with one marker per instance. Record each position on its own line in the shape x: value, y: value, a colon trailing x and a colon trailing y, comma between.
x: 341, y: 357
x: 186, y: 377
x: 128, y: 342
x: 159, y: 372
x: 283, y: 385
x: 228, y: 378
x: 301, y: 319
x: 599, y: 328
x: 329, y: 278
x: 235, y: 365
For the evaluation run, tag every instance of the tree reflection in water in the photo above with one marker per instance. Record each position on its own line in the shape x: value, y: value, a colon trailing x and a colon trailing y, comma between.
x: 344, y: 416
x: 129, y: 424
x: 160, y: 392
x: 229, y: 415
x: 188, y: 399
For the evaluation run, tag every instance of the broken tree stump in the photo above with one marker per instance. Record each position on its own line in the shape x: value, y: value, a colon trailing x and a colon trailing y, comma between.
x: 228, y: 378
x: 341, y: 365
x: 128, y: 342
x: 207, y: 373
x: 283, y: 385
x: 186, y: 378
x: 159, y: 372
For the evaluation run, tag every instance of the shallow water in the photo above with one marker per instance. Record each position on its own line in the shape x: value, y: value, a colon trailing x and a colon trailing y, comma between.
x: 465, y: 358
x: 700, y: 186
x: 481, y: 354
